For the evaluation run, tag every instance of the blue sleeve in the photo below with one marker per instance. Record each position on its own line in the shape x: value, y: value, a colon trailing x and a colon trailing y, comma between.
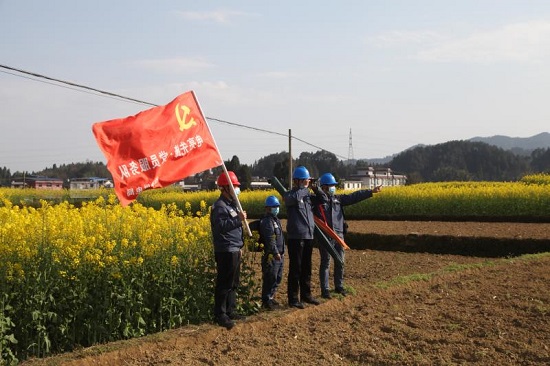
x: 357, y: 196
x: 319, y: 199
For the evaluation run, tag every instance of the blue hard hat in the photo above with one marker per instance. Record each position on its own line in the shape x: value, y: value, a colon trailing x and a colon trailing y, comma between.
x: 271, y: 201
x: 300, y: 173
x: 327, y: 179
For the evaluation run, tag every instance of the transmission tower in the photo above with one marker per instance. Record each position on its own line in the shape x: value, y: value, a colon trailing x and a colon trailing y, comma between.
x: 350, y: 149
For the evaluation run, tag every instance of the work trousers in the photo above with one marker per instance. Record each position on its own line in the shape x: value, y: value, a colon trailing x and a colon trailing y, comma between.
x: 228, y: 265
x: 272, y: 275
x: 325, y: 268
x: 299, y: 274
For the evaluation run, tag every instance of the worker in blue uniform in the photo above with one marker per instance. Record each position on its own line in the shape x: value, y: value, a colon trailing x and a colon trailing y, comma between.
x: 331, y: 210
x: 271, y: 233
x: 227, y: 222
x: 300, y: 228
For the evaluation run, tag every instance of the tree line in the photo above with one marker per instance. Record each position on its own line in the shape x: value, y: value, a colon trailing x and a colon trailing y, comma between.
x: 468, y: 161
x: 449, y: 161
x: 64, y: 172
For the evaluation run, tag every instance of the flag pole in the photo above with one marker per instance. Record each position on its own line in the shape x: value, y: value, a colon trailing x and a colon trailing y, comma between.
x: 235, y: 197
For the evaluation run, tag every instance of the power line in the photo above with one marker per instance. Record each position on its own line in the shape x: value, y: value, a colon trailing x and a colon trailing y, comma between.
x: 60, y: 86
x: 244, y: 126
x: 272, y: 132
x: 76, y: 85
x: 87, y: 89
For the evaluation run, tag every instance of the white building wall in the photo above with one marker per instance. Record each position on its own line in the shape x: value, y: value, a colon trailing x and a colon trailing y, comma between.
x: 385, y: 178
x: 353, y: 185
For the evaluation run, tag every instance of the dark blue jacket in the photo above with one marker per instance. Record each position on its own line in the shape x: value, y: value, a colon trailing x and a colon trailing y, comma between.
x: 227, y: 227
x: 272, y: 232
x: 300, y: 223
x: 332, y: 209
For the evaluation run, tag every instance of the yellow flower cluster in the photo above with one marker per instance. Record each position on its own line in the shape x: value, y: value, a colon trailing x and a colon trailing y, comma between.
x: 540, y: 178
x: 458, y: 199
x: 118, y: 272
x: 98, y: 235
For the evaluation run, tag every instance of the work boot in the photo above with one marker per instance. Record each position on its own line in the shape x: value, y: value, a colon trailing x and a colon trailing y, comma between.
x: 298, y: 305
x: 326, y: 295
x: 311, y: 300
x: 236, y: 316
x: 341, y: 291
x: 226, y: 322
x: 269, y: 305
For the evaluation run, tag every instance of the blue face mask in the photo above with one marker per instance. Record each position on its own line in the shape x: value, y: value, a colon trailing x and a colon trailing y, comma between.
x: 331, y: 190
x: 274, y: 211
x: 237, y: 191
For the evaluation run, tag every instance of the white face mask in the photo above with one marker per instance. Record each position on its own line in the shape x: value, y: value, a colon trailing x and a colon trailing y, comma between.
x: 237, y: 191
x: 331, y: 190
x: 274, y: 211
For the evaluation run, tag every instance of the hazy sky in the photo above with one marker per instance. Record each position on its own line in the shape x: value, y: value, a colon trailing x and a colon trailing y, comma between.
x: 397, y: 73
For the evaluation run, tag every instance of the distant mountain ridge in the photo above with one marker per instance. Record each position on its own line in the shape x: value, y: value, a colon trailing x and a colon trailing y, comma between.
x: 539, y: 141
x: 518, y: 145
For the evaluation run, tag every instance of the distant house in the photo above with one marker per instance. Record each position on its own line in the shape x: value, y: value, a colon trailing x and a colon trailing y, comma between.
x: 90, y: 183
x: 19, y: 184
x: 260, y: 184
x: 187, y: 187
x: 370, y: 178
x: 38, y: 182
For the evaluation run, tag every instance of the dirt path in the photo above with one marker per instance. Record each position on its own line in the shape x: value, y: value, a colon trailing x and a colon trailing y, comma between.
x: 451, y: 228
x: 408, y: 309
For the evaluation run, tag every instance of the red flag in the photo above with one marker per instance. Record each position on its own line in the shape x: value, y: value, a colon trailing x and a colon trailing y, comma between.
x: 157, y: 147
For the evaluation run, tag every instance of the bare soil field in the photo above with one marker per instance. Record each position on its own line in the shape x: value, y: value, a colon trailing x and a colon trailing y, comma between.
x: 407, y: 307
x: 506, y: 230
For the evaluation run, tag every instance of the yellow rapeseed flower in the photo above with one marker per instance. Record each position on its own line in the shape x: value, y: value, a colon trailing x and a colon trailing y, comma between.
x: 174, y: 261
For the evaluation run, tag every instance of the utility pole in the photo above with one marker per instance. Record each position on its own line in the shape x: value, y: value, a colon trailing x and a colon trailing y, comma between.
x: 289, y: 159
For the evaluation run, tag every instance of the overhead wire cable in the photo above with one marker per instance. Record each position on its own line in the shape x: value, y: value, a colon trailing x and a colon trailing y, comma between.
x: 271, y: 132
x: 66, y: 87
x: 76, y: 87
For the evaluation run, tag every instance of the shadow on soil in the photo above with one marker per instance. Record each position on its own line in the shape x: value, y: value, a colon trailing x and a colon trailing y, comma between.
x: 468, y: 246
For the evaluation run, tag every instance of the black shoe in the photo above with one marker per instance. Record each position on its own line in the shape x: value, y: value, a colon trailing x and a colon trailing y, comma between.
x: 311, y: 300
x: 236, y: 316
x: 226, y: 323
x: 298, y: 305
x: 326, y: 295
x: 341, y: 291
x: 270, y: 305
